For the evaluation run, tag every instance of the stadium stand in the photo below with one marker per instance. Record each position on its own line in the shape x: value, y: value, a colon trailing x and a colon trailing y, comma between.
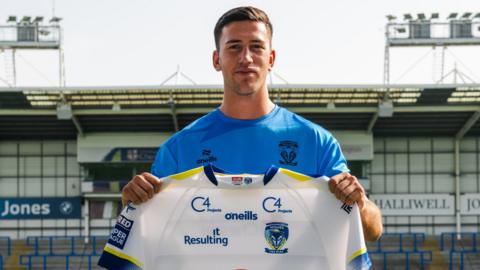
x: 409, y: 152
x: 462, y: 249
x: 5, y: 246
x: 62, y: 252
x: 400, y: 249
x: 5, y: 249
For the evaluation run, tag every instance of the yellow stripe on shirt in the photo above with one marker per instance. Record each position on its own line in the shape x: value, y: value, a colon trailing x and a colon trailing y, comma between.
x: 295, y: 175
x: 186, y: 174
x: 356, y: 254
x: 123, y: 256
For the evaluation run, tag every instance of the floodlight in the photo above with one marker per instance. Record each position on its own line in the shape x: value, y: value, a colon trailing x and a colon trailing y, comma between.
x: 407, y: 17
x: 385, y: 108
x: 55, y: 19
x: 421, y: 16
x: 452, y: 16
x: 466, y: 15
x: 26, y: 19
x: 391, y: 17
x: 38, y: 19
x: 435, y: 16
x: 12, y: 19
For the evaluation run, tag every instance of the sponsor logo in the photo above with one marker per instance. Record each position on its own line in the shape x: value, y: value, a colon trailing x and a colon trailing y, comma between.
x: 247, y: 215
x: 288, y: 152
x: 203, y: 204
x: 214, y: 239
x: 120, y: 232
x: 347, y: 208
x: 207, y: 157
x: 34, y: 208
x: 274, y: 205
x: 66, y: 207
x: 130, y: 207
x: 276, y: 235
x: 237, y: 180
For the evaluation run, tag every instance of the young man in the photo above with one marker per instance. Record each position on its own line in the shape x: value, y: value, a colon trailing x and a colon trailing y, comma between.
x: 249, y: 133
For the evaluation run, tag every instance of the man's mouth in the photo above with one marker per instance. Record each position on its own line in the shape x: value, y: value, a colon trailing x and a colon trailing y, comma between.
x: 246, y: 71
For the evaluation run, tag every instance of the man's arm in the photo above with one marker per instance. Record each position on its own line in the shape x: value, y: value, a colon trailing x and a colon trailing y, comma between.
x: 347, y: 189
x: 141, y: 188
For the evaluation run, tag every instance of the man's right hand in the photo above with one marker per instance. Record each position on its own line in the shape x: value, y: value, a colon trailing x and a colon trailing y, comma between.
x: 141, y: 188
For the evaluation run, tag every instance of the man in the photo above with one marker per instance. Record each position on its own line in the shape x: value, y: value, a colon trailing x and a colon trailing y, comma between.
x: 249, y: 133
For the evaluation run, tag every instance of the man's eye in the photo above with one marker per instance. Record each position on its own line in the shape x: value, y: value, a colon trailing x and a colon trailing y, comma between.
x: 235, y: 47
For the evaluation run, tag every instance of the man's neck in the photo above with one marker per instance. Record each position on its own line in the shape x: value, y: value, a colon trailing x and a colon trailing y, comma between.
x: 247, y: 107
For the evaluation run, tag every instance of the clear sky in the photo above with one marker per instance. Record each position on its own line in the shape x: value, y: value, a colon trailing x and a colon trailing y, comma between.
x: 141, y: 42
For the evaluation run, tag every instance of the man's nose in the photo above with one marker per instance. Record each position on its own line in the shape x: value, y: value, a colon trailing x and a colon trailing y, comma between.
x: 246, y: 56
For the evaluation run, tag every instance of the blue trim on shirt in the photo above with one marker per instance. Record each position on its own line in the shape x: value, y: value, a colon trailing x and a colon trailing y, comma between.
x: 210, y: 173
x: 361, y: 262
x: 269, y: 175
x: 112, y: 262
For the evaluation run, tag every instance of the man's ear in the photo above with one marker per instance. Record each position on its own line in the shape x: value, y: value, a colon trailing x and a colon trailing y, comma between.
x: 271, y: 60
x: 216, y: 60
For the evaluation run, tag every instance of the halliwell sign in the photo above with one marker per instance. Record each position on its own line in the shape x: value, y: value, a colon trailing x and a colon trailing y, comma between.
x: 415, y: 204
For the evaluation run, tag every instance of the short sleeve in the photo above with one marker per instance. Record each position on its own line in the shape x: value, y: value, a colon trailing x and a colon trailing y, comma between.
x: 165, y: 161
x: 330, y: 156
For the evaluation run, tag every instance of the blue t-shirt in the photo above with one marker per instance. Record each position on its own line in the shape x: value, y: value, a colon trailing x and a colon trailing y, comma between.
x: 280, y: 138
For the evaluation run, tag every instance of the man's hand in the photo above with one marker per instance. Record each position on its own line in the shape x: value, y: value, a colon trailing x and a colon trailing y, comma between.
x: 141, y: 188
x: 347, y: 189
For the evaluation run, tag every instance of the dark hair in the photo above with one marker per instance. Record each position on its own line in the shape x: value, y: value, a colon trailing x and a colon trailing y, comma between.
x: 241, y: 14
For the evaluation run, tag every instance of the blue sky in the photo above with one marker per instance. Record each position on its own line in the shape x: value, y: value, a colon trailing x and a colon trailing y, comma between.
x: 124, y: 42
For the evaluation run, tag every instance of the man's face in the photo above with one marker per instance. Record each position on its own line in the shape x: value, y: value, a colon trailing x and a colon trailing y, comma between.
x: 245, y: 57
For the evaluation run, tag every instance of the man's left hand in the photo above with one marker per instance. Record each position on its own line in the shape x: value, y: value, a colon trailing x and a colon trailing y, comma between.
x: 347, y: 189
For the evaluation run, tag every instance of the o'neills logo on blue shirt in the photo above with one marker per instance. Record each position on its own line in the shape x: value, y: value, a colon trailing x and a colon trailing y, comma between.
x: 207, y: 157
x: 214, y: 239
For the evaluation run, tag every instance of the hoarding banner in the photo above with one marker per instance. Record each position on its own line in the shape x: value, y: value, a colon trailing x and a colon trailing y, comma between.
x: 40, y: 208
x: 415, y: 204
x: 470, y: 204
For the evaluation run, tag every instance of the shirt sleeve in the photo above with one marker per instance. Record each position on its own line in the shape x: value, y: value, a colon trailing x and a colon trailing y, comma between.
x: 124, y: 249
x: 165, y: 161
x: 330, y: 156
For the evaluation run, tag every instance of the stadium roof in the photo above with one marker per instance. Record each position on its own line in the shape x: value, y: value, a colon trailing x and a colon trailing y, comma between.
x: 418, y: 110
